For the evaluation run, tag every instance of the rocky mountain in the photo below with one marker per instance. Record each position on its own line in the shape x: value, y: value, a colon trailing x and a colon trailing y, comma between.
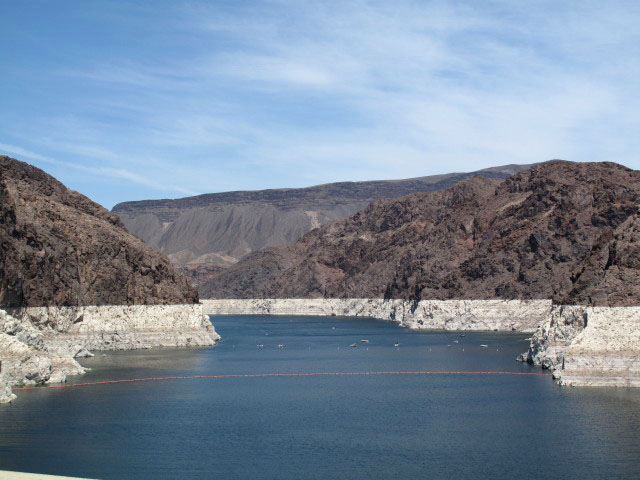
x: 562, y: 231
x: 72, y: 278
x: 61, y: 249
x: 207, y: 233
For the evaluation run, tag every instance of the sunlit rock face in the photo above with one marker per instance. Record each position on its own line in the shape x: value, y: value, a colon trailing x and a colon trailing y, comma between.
x: 589, y: 346
x: 494, y: 315
x: 61, y: 249
x: 72, y: 279
x: 205, y: 234
x: 563, y: 233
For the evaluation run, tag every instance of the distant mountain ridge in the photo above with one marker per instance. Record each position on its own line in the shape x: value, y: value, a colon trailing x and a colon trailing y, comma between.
x: 206, y: 233
x: 564, y: 231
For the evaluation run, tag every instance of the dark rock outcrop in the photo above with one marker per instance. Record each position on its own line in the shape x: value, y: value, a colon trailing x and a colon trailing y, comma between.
x: 563, y: 231
x: 198, y: 273
x: 58, y: 248
x: 216, y: 230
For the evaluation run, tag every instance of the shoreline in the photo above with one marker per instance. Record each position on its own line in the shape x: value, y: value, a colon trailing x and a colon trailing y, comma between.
x: 582, y: 345
x: 39, y: 345
x: 494, y: 315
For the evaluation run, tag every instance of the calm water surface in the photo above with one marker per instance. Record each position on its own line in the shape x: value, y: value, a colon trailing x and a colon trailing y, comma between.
x: 346, y: 427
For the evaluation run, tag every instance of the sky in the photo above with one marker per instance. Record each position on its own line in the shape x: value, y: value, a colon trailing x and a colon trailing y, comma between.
x: 138, y: 100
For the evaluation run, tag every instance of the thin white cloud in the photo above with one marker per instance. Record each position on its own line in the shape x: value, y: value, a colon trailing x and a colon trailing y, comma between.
x: 286, y: 93
x: 12, y: 149
x: 138, y: 179
x: 277, y: 70
x: 97, y: 171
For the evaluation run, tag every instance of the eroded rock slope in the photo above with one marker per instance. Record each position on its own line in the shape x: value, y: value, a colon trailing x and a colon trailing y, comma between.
x: 562, y: 231
x: 204, y: 234
x: 60, y: 248
x: 72, y: 277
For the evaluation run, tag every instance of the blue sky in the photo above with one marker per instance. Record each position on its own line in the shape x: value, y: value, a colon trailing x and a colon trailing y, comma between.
x: 135, y: 100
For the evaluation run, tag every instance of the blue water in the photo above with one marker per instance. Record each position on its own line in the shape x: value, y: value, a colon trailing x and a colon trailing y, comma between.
x: 339, y: 427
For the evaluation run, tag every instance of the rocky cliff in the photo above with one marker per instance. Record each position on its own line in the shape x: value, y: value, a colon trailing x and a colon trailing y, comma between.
x: 564, y: 232
x: 60, y: 248
x: 589, y: 346
x: 490, y: 315
x: 72, y: 278
x: 204, y: 234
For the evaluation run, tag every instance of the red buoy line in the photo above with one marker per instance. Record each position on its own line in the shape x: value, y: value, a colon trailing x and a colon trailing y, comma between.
x: 263, y: 375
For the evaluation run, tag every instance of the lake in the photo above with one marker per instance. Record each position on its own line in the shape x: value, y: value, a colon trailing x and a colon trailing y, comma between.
x: 403, y: 426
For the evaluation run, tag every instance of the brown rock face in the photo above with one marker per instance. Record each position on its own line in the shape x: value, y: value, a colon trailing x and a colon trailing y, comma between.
x: 58, y: 248
x: 208, y: 233
x: 565, y: 231
x: 199, y: 273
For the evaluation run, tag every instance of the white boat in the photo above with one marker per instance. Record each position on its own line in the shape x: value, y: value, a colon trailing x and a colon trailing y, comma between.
x: 396, y: 344
x: 353, y: 345
x: 280, y: 346
x: 484, y: 346
x: 364, y: 341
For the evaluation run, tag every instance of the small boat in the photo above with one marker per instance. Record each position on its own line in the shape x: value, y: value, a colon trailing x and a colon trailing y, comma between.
x: 456, y: 341
x: 448, y: 345
x: 281, y: 346
x: 353, y: 345
x: 397, y: 344
x: 260, y: 345
x: 484, y: 346
x: 364, y: 341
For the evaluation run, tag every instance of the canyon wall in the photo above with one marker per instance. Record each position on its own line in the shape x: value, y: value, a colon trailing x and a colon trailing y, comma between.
x: 73, y: 279
x: 205, y: 234
x: 499, y: 315
x: 582, y: 345
x: 563, y: 231
x: 589, y: 346
x: 40, y: 345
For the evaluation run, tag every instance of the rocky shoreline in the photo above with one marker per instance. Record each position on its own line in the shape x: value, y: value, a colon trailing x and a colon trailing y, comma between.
x: 102, y: 288
x: 584, y: 346
x: 498, y: 315
x: 589, y: 346
x: 40, y: 345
